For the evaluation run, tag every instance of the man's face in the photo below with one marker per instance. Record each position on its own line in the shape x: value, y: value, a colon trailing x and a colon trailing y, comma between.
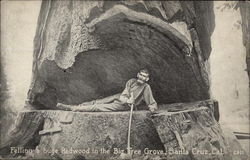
x: 142, y: 77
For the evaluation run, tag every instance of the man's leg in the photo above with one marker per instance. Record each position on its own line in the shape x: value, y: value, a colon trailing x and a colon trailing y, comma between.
x: 106, y: 100
x: 65, y: 106
x: 101, y: 108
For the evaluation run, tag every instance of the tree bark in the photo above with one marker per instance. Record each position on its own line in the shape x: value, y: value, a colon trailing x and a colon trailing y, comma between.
x: 85, y: 50
x: 245, y: 15
x: 24, y: 134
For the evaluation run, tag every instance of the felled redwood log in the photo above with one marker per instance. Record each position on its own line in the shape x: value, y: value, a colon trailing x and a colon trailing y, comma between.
x: 84, y: 50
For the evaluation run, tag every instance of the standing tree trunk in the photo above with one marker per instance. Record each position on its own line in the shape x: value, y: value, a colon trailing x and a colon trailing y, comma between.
x: 84, y: 50
x: 245, y: 16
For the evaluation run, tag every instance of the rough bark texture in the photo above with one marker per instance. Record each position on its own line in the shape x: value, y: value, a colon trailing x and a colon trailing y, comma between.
x: 245, y: 16
x: 85, y: 50
x: 193, y: 122
x: 24, y: 133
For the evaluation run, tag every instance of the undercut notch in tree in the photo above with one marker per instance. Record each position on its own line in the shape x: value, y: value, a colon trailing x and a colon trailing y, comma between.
x: 90, y: 49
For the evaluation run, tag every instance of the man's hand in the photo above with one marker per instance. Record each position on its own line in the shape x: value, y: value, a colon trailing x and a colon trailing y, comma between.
x: 153, y: 109
x: 131, y: 100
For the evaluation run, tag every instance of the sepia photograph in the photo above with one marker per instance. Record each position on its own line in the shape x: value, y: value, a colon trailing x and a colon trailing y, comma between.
x: 125, y: 79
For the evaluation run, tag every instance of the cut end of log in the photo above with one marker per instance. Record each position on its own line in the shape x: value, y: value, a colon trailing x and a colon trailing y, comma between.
x: 109, y: 131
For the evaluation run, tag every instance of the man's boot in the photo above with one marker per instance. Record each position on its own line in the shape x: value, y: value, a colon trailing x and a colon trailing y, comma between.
x: 64, y: 107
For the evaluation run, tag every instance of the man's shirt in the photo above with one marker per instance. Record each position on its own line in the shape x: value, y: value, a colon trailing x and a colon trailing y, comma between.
x: 141, y: 92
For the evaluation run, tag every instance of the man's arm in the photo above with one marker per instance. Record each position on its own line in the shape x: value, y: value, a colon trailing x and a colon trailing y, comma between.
x: 149, y: 99
x: 124, y: 97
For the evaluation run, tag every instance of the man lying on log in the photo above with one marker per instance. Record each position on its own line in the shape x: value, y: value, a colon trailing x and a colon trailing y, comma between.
x: 136, y: 91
